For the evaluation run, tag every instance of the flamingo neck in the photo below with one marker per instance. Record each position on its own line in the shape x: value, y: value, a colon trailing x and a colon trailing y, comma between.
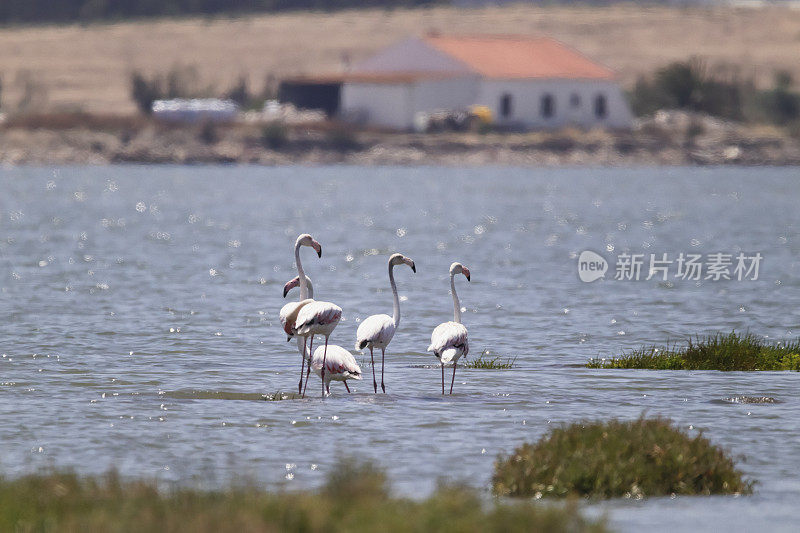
x: 301, y: 347
x: 456, y: 303
x: 396, y: 308
x: 300, y: 273
x: 310, y: 290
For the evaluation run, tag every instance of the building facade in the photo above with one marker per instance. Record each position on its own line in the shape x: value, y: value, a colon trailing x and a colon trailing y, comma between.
x: 527, y: 83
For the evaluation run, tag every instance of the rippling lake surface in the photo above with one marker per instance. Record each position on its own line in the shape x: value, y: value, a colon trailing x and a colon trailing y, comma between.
x: 140, y: 321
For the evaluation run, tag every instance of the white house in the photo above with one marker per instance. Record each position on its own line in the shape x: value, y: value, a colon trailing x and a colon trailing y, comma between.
x: 527, y: 82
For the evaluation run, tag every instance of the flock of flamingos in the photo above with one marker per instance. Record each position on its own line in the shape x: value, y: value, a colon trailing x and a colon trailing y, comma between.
x: 308, y: 317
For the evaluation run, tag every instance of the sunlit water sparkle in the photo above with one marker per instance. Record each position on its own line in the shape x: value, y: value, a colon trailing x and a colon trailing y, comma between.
x: 140, y: 321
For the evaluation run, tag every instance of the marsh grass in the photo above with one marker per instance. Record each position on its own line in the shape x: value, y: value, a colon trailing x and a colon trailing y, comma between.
x: 355, y: 498
x: 644, y: 457
x: 729, y: 352
x: 490, y: 362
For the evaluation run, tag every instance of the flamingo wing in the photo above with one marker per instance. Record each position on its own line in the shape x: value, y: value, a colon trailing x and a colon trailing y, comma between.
x: 375, y: 329
x: 317, y: 314
x: 448, y: 339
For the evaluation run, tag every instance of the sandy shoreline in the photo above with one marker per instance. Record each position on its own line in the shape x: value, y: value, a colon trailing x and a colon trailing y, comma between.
x: 674, y: 138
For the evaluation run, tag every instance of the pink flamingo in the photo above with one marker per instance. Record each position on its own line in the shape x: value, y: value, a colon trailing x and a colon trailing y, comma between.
x: 340, y: 365
x: 449, y: 340
x: 314, y: 317
x: 376, y: 331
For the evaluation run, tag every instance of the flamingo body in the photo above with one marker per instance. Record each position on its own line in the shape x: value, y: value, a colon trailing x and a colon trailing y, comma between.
x: 340, y: 365
x: 449, y: 341
x: 317, y: 318
x: 375, y: 331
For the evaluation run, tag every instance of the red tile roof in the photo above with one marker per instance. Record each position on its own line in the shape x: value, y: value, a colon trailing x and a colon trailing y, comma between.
x: 511, y: 57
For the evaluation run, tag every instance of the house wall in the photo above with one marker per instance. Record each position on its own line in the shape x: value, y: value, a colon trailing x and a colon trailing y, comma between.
x: 377, y: 104
x: 526, y: 103
x: 393, y: 105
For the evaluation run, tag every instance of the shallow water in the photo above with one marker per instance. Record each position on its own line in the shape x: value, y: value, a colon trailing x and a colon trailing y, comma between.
x: 140, y: 328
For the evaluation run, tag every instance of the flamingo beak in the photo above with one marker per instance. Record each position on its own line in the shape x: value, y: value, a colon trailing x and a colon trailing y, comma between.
x: 412, y: 265
x: 286, y: 289
x: 465, y: 271
x: 318, y: 247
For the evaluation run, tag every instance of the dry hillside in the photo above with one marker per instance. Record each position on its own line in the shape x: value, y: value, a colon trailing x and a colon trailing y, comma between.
x: 87, y: 67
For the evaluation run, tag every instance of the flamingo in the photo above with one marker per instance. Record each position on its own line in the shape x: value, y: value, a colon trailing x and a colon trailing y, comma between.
x: 341, y: 365
x: 288, y: 316
x: 449, y: 340
x: 315, y: 317
x: 290, y: 311
x: 376, y: 331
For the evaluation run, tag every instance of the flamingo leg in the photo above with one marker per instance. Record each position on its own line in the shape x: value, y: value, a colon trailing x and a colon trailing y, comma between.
x: 454, y: 377
x: 383, y: 356
x: 374, y: 383
x: 442, y: 362
x: 346, y: 387
x: 308, y: 370
x: 302, y: 367
x: 324, y: 357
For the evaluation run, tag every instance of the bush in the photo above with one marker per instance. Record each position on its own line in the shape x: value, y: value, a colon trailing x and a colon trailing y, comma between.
x: 144, y: 92
x: 274, y: 135
x: 731, y: 352
x: 644, y: 457
x: 343, y: 138
x: 208, y: 132
x: 780, y: 105
x: 691, y: 85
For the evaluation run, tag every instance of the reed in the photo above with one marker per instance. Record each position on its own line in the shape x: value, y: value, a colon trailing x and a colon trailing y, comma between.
x: 486, y: 361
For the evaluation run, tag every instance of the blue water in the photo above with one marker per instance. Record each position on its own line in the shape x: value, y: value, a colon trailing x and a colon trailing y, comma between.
x: 140, y: 321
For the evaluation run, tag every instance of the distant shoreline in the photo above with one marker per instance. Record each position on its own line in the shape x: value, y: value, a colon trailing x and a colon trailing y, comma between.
x: 668, y: 139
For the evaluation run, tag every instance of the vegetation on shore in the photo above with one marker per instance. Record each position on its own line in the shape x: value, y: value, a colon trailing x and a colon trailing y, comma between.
x: 355, y: 498
x: 487, y: 361
x: 640, y: 458
x: 731, y: 352
x: 693, y: 85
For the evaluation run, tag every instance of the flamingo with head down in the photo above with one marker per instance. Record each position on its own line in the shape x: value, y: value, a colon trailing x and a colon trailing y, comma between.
x: 376, y: 331
x: 449, y: 340
x: 340, y: 364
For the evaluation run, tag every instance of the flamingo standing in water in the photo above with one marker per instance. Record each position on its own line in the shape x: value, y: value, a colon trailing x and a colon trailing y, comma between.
x: 290, y: 311
x: 315, y: 317
x: 376, y: 331
x: 340, y: 364
x: 449, y: 340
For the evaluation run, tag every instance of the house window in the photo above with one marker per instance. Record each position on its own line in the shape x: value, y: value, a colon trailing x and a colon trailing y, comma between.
x: 548, y: 106
x: 505, y: 105
x: 600, y: 106
x: 575, y: 100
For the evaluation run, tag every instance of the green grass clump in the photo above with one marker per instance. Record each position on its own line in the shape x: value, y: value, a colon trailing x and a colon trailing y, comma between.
x: 645, y: 457
x: 716, y: 352
x: 355, y: 499
x: 486, y: 361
